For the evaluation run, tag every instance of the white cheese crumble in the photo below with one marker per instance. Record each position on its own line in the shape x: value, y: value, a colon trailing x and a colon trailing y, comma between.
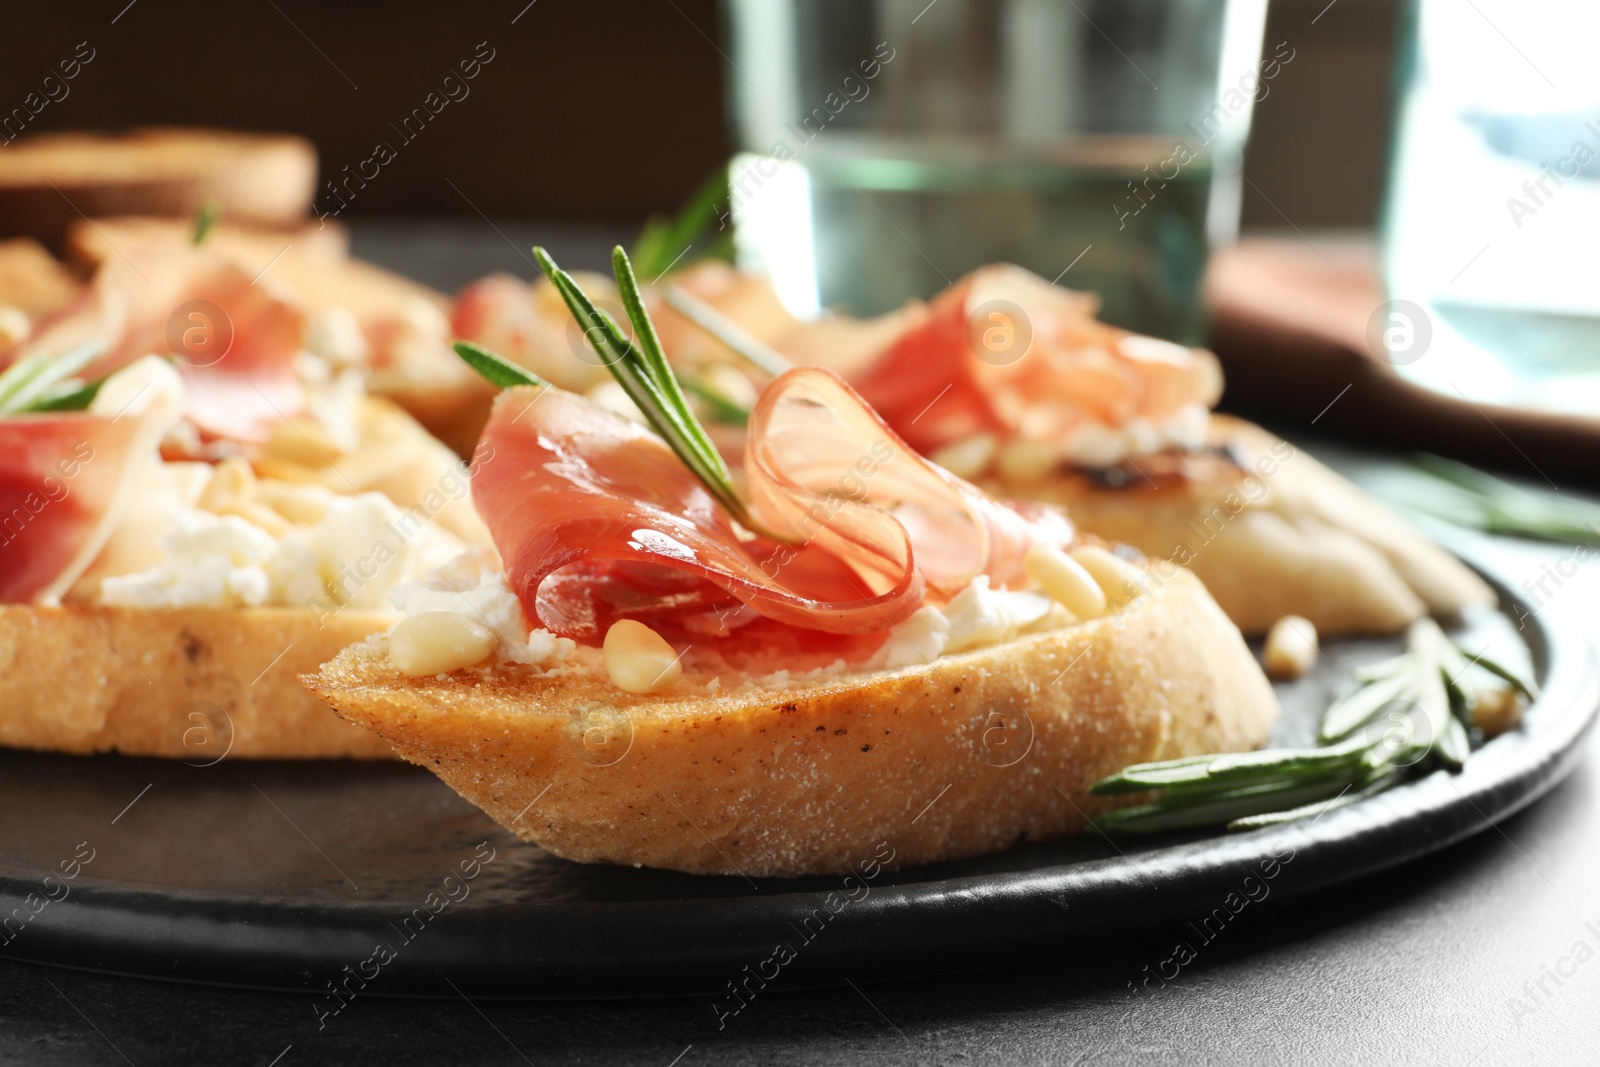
x: 484, y: 597
x: 920, y: 639
x: 980, y: 616
x: 976, y: 617
x: 355, y: 555
x: 1108, y: 446
x: 335, y: 335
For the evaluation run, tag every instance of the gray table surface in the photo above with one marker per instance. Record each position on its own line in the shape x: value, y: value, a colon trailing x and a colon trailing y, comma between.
x: 1470, y: 956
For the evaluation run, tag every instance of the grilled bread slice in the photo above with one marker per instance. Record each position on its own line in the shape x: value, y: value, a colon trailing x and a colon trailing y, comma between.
x: 195, y: 684
x: 51, y: 180
x: 1271, y: 532
x: 968, y: 754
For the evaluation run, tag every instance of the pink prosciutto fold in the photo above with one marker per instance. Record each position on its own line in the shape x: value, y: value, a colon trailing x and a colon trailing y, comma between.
x: 61, y: 479
x: 1003, y: 351
x: 233, y: 338
x: 596, y: 519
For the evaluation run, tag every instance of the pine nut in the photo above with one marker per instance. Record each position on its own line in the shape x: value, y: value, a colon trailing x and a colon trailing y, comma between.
x: 1120, y: 580
x: 436, y: 642
x: 258, y: 515
x: 1023, y: 460
x: 15, y: 326
x: 1291, y: 647
x: 970, y: 457
x: 1497, y: 710
x: 232, y: 483
x: 638, y: 659
x: 1065, y: 581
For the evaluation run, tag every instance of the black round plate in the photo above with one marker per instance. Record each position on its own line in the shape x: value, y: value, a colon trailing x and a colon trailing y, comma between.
x: 354, y: 877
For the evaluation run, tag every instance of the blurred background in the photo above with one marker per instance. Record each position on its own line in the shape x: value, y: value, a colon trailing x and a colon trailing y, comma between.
x: 586, y: 118
x: 623, y: 124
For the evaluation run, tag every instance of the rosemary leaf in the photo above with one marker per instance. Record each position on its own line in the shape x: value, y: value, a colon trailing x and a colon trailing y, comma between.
x: 497, y: 370
x: 1521, y: 682
x: 1230, y: 771
x: 720, y: 407
x: 1355, y: 710
x: 1480, y: 501
x: 1223, y: 808
x: 1314, y: 809
x: 69, y: 396
x: 655, y: 362
x: 207, y: 218
x: 33, y: 379
x: 665, y: 243
x: 724, y: 329
x: 633, y: 372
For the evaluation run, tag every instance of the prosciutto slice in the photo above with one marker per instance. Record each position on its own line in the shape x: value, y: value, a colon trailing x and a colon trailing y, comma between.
x: 232, y: 338
x: 596, y: 519
x: 1005, y: 352
x: 61, y: 477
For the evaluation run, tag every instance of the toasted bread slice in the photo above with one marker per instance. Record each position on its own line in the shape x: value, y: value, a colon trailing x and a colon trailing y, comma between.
x: 32, y: 280
x: 50, y: 180
x: 186, y: 683
x: 968, y: 754
x: 256, y: 248
x: 1271, y: 532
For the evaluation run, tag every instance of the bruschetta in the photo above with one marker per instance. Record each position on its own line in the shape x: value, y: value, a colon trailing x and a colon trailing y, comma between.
x: 862, y: 647
x: 191, y: 517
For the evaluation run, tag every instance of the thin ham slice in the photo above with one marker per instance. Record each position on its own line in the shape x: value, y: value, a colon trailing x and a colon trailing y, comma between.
x: 61, y: 477
x: 233, y: 338
x: 818, y: 455
x: 596, y: 519
x: 1005, y: 352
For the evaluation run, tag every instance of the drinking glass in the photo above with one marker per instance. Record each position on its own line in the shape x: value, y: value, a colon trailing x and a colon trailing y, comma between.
x: 1493, y: 204
x: 890, y: 146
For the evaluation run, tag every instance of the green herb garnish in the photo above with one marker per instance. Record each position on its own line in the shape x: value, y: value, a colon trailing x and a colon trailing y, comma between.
x: 1468, y: 497
x: 640, y: 367
x: 47, y: 383
x: 721, y: 408
x: 665, y: 243
x: 203, y: 221
x: 499, y: 371
x: 1405, y: 716
x: 724, y: 329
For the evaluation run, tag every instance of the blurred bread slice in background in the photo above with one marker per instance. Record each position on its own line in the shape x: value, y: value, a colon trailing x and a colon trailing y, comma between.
x: 32, y: 281
x: 50, y: 180
x: 393, y: 330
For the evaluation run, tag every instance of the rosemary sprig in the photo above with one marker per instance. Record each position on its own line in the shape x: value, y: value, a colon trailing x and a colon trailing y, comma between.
x: 665, y: 243
x: 1468, y: 497
x: 497, y: 370
x: 203, y: 221
x: 47, y: 383
x: 724, y: 329
x: 721, y: 408
x: 642, y: 371
x: 1431, y: 694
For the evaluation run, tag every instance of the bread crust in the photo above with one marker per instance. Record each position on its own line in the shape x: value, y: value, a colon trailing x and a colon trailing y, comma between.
x: 1272, y: 532
x: 267, y: 178
x: 186, y: 683
x: 968, y: 755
